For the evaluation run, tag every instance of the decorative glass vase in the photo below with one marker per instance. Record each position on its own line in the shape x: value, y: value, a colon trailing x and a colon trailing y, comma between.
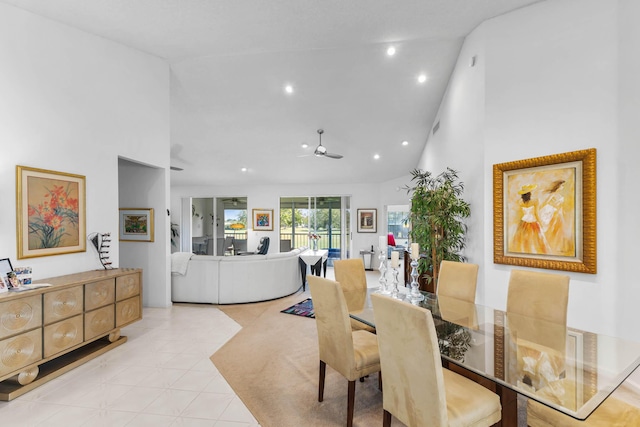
x: 314, y: 244
x: 416, y: 295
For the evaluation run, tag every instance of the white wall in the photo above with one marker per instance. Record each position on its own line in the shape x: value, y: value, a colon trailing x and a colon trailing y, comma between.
x: 554, y: 77
x: 73, y: 102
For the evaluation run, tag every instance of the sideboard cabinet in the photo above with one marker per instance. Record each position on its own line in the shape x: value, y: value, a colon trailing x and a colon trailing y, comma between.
x: 47, y: 331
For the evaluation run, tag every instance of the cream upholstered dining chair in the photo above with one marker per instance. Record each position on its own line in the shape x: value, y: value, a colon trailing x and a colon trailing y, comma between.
x: 537, y: 318
x: 458, y: 280
x: 621, y: 409
x: 352, y: 277
x: 354, y: 354
x: 460, y: 312
x: 416, y: 389
x: 542, y: 296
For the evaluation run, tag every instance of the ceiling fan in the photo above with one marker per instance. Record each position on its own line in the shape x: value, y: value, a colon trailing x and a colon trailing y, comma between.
x: 321, y: 151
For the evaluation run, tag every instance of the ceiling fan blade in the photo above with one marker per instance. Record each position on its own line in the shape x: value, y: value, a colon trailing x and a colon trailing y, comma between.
x: 333, y: 156
x: 175, y: 168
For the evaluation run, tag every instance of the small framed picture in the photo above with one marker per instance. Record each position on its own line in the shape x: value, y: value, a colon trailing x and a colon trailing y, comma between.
x: 5, y: 269
x: 12, y: 277
x: 136, y: 224
x: 367, y: 220
x: 263, y: 219
x: 3, y: 285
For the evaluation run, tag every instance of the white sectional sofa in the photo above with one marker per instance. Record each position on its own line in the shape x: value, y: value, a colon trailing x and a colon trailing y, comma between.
x: 237, y: 279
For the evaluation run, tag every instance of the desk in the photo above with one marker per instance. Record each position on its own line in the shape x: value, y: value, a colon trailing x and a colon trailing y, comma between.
x: 504, y: 355
x: 317, y: 260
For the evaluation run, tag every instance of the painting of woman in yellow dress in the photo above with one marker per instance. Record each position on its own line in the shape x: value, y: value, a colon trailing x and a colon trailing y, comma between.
x: 557, y: 228
x: 541, y: 212
x: 528, y: 237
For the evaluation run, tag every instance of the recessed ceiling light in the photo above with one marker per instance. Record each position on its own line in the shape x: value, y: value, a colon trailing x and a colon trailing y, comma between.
x: 243, y: 169
x: 376, y: 156
x: 288, y: 89
x: 305, y: 145
x: 405, y: 143
x: 391, y: 51
x: 422, y: 78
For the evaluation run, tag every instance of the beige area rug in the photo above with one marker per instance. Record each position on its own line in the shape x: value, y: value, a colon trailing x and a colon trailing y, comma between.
x: 272, y: 365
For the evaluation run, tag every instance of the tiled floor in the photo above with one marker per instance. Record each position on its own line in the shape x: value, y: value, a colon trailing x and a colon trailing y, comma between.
x: 161, y: 377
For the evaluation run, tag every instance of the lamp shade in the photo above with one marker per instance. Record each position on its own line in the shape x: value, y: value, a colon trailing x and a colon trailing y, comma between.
x: 391, y: 241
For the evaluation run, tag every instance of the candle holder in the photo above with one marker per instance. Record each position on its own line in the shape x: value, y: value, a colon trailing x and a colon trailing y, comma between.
x: 395, y: 292
x: 382, y: 257
x: 416, y: 295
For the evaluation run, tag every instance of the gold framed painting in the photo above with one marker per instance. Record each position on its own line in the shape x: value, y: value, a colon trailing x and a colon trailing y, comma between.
x: 50, y: 212
x: 545, y: 212
x: 136, y: 225
x: 367, y: 220
x: 262, y: 219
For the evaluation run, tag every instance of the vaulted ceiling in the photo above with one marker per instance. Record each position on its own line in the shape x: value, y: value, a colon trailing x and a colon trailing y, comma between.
x: 232, y: 59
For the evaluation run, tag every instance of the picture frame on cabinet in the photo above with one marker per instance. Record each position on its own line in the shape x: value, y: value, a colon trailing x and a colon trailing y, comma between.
x: 5, y: 269
x: 4, y: 287
x: 51, y: 212
x: 545, y: 212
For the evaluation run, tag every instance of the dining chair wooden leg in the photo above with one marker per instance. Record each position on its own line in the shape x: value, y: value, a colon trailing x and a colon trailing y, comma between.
x: 386, y: 419
x: 351, y: 397
x: 323, y: 370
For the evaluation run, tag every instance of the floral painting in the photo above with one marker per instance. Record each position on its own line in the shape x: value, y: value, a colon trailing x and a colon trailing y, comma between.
x: 51, y: 214
x: 544, y: 212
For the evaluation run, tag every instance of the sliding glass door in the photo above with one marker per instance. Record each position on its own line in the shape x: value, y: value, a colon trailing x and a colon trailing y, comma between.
x: 324, y: 216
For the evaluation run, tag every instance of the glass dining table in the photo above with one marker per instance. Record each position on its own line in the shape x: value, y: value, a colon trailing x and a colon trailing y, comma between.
x: 570, y: 370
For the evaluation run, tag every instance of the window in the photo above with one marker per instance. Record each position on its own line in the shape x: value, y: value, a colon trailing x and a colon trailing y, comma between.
x: 300, y: 216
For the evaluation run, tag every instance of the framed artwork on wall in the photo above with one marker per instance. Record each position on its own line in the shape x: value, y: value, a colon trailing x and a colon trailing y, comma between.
x: 262, y: 219
x: 51, y: 212
x: 367, y: 220
x: 136, y: 225
x: 545, y: 212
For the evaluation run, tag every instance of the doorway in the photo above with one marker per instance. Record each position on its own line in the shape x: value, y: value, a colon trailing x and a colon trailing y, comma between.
x: 326, y: 216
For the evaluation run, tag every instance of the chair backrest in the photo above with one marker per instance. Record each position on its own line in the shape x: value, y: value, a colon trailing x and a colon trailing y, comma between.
x: 352, y: 277
x: 413, y: 384
x: 228, y: 243
x: 263, y: 247
x: 285, y: 245
x: 539, y: 295
x: 335, y: 341
x: 458, y: 311
x: 537, y: 318
x: 458, y: 280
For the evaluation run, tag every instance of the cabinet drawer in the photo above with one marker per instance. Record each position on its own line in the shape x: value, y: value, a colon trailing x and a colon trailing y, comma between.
x: 20, y: 315
x: 127, y: 286
x: 98, y: 294
x: 127, y: 311
x: 98, y: 322
x: 62, y: 335
x: 62, y: 304
x: 18, y: 352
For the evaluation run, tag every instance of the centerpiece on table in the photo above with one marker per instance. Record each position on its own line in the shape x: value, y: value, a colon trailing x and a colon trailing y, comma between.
x: 313, y: 241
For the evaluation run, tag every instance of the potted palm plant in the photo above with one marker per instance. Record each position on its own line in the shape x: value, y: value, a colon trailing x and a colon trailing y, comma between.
x: 437, y: 220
